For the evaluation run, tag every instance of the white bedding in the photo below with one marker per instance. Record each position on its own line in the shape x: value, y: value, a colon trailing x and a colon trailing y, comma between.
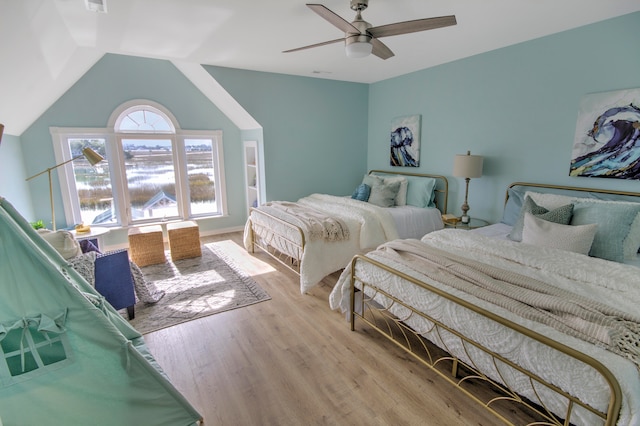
x: 415, y: 222
x: 369, y: 226
x: 605, y: 281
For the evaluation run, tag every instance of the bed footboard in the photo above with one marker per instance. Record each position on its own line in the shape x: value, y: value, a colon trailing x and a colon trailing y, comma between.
x: 445, y: 356
x: 281, y: 240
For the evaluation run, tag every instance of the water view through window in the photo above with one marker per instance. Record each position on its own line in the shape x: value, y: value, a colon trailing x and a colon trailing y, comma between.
x: 150, y: 180
x: 93, y: 184
x: 152, y: 170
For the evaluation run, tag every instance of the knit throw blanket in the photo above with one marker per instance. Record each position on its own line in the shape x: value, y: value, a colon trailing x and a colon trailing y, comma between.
x: 314, y: 223
x: 589, y: 320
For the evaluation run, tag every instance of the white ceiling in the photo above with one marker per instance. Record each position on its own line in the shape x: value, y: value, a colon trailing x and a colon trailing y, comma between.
x: 48, y: 44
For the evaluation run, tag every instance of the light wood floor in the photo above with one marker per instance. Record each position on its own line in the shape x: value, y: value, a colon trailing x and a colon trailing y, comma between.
x: 293, y: 361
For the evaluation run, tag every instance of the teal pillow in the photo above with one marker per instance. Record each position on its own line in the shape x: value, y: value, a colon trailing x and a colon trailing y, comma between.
x: 614, y: 223
x: 421, y: 191
x: 362, y: 192
x: 561, y: 215
x: 513, y: 206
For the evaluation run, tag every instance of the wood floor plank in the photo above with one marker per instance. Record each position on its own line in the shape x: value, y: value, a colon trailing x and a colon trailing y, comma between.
x: 293, y: 361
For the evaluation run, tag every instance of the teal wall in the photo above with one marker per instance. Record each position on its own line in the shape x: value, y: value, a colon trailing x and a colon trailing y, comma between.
x: 517, y: 106
x: 315, y: 137
x: 13, y: 186
x: 114, y: 80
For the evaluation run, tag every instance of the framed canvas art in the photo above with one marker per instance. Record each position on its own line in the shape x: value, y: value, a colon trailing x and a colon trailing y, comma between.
x: 405, y: 141
x: 607, y: 135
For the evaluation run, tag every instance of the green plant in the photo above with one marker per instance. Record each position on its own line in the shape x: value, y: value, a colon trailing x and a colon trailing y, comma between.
x: 38, y: 224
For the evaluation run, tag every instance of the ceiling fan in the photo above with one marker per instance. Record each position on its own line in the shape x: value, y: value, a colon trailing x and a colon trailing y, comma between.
x: 361, y: 39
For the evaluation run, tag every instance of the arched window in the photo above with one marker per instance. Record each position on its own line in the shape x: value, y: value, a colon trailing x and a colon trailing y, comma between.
x: 153, y: 171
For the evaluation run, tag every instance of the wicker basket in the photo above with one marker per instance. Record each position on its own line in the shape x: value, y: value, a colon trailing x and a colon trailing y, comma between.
x: 184, y: 240
x: 146, y: 246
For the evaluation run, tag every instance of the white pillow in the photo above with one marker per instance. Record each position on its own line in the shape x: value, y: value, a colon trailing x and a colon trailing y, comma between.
x: 539, y: 232
x: 63, y: 241
x: 549, y: 201
x: 401, y: 197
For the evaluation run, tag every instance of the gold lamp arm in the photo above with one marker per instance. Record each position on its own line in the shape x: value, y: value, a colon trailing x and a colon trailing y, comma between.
x: 93, y: 158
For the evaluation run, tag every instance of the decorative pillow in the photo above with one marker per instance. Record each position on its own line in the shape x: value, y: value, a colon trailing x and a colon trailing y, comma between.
x: 63, y: 241
x: 513, y: 207
x: 561, y: 215
x: 614, y: 226
x: 383, y: 193
x: 87, y: 246
x: 548, y: 200
x: 401, y: 197
x: 421, y: 191
x: 632, y: 241
x: 362, y: 192
x: 543, y: 233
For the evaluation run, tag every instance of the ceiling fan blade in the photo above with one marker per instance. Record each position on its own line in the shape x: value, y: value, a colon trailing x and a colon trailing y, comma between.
x: 380, y: 49
x: 314, y: 45
x: 407, y: 27
x: 333, y: 18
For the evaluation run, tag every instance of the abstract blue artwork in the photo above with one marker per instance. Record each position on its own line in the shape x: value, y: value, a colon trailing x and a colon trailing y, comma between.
x: 607, y: 139
x: 405, y: 141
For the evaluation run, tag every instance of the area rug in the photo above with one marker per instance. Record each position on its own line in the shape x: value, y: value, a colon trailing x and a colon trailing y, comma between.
x: 195, y: 288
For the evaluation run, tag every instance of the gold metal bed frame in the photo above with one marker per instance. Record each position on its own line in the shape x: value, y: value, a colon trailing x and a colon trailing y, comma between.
x: 461, y: 374
x: 288, y: 246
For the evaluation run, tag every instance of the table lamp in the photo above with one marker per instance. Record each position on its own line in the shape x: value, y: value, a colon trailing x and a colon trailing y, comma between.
x: 91, y: 156
x: 467, y: 166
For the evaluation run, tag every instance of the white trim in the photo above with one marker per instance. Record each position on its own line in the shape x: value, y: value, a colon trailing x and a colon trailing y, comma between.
x: 115, y: 152
x: 217, y: 94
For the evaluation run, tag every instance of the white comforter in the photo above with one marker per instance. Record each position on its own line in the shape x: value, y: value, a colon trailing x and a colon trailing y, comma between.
x: 369, y: 226
x: 604, y: 281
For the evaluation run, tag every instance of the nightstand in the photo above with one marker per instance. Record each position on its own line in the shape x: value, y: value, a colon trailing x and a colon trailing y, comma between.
x: 475, y: 223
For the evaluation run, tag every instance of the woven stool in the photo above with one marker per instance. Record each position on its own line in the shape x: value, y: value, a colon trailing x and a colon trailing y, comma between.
x: 184, y: 240
x: 146, y: 246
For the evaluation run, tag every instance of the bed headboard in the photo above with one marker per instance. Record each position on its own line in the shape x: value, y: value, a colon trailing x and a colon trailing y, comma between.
x: 519, y: 188
x: 616, y: 213
x: 441, y: 189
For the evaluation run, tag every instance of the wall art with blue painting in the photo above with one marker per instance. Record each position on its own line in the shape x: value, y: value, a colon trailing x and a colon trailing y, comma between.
x: 607, y: 139
x: 405, y: 141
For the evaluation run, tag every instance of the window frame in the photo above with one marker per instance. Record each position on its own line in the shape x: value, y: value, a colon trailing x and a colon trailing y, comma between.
x: 115, y: 152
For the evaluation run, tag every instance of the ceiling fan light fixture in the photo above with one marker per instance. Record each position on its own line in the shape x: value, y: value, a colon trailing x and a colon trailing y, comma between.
x: 358, y: 46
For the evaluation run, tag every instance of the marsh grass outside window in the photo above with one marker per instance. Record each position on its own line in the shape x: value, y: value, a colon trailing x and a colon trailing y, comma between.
x: 153, y: 171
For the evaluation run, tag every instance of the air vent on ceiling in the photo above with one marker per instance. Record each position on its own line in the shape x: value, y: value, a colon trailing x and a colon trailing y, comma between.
x: 96, y: 5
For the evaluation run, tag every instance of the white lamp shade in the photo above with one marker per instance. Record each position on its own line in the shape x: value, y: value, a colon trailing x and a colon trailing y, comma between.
x: 467, y: 166
x: 358, y: 49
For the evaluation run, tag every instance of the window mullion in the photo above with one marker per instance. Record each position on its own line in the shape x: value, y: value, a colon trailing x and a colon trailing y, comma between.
x: 182, y: 177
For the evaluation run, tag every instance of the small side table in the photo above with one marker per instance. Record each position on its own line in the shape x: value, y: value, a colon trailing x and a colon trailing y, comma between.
x: 474, y: 223
x: 96, y: 233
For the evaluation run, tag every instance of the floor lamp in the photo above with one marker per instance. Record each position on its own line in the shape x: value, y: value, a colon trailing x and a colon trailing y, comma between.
x: 467, y: 166
x: 91, y: 156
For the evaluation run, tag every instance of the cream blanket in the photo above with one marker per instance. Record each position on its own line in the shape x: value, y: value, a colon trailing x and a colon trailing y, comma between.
x: 315, y: 224
x: 367, y: 226
x: 614, y: 284
x: 568, y: 312
x: 375, y: 224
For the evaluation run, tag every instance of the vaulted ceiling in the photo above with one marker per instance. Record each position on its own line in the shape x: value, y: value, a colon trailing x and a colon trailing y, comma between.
x: 47, y: 45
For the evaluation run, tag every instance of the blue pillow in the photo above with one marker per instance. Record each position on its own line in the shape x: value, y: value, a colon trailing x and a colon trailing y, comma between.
x: 614, y: 223
x: 362, y: 192
x: 513, y: 207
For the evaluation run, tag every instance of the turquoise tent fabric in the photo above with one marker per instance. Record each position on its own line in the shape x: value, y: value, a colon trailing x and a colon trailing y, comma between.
x: 66, y: 356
